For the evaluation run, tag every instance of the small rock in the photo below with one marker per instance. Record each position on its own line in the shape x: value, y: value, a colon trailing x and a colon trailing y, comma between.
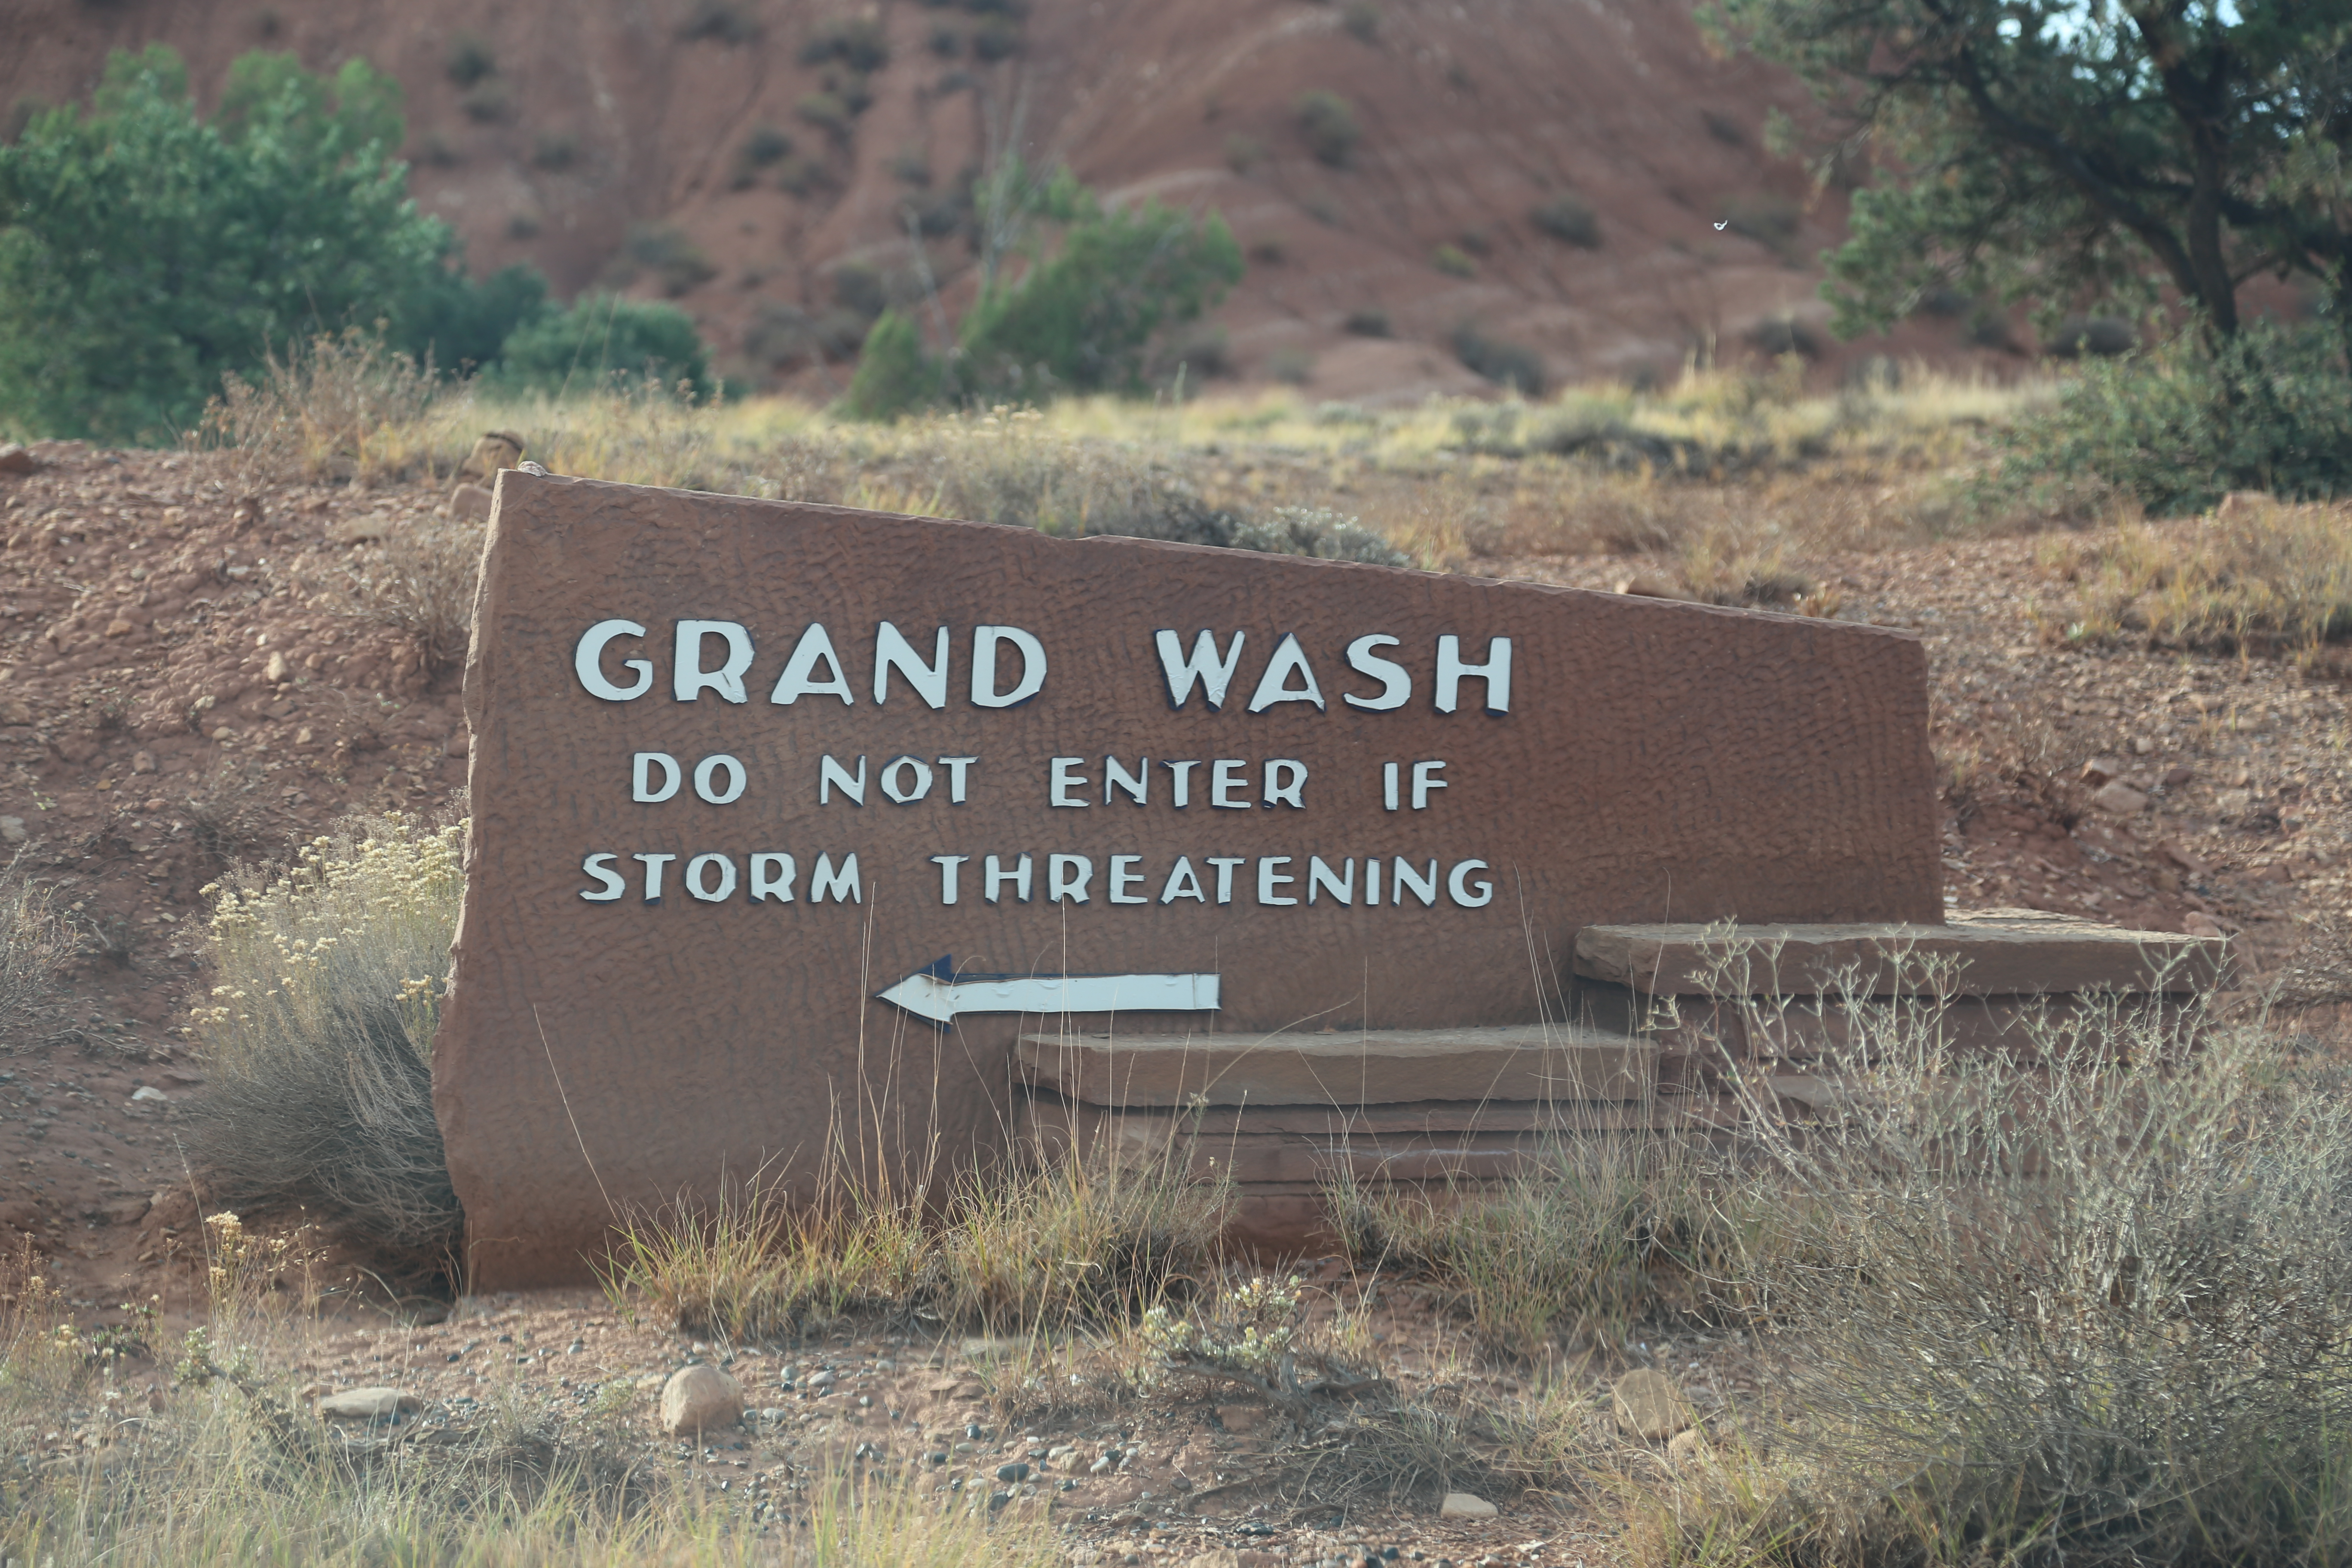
x: 147, y: 1091
x: 823, y: 1379
x: 119, y: 627
x: 275, y: 671
x: 698, y: 1397
x: 22, y: 1214
x: 2119, y: 799
x: 2178, y: 774
x: 497, y: 449
x: 380, y: 1403
x: 1650, y: 588
x: 143, y: 761
x: 2141, y: 745
x: 1463, y: 1505
x: 1014, y: 1472
x: 15, y: 460
x: 471, y: 502
x: 2101, y: 770
x: 11, y: 829
x: 358, y: 529
x: 2171, y: 850
x: 1648, y: 1405
x: 1686, y: 1447
x: 2197, y: 922
x: 1218, y: 1557
x: 457, y: 745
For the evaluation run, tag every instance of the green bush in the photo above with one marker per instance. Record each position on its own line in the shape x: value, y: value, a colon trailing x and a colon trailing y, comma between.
x: 2269, y: 409
x: 1316, y: 531
x: 670, y: 253
x: 894, y: 374
x: 143, y: 252
x: 1327, y: 121
x: 1514, y: 365
x: 600, y: 339
x: 858, y: 42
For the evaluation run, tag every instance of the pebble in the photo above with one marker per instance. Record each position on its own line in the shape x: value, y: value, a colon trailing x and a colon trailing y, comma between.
x: 1464, y: 1505
x: 698, y: 1397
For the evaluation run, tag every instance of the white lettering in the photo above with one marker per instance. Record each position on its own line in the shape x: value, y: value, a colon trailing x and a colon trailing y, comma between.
x: 1396, y: 686
x: 814, y: 648
x: 1284, y: 779
x: 901, y: 793
x: 892, y: 651
x: 984, y: 640
x: 1215, y: 672
x: 641, y: 784
x: 1389, y: 786
x: 1275, y: 686
x: 588, y: 662
x: 1183, y: 882
x: 955, y: 767
x: 1424, y: 778
x: 614, y: 885
x: 1066, y: 778
x: 1122, y: 878
x: 1339, y: 883
x: 694, y: 878
x: 771, y: 877
x: 1454, y: 885
x: 708, y: 767
x: 688, y: 679
x: 842, y: 884
x: 653, y: 865
x: 947, y: 865
x: 831, y: 774
x: 994, y: 877
x: 1224, y: 864
x: 1372, y: 881
x: 1226, y: 782
x: 1496, y: 672
x: 1132, y: 786
x: 1424, y: 888
x: 1267, y: 879
x: 1066, y: 877
x: 1183, y: 771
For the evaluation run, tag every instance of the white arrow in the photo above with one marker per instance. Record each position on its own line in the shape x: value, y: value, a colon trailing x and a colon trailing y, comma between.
x: 933, y: 994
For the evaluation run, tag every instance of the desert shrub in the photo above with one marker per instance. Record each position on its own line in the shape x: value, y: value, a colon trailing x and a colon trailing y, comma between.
x: 1723, y: 127
x: 490, y: 100
x: 2269, y: 409
x: 2089, y: 1304
x: 420, y: 581
x: 318, y: 1036
x: 470, y: 59
x: 1777, y: 335
x: 34, y: 944
x: 1243, y: 154
x: 1454, y: 262
x: 1568, y: 218
x: 858, y: 42
x: 1368, y: 322
x: 996, y: 39
x: 1514, y: 365
x: 670, y: 253
x: 2099, y: 337
x: 1291, y: 365
x: 1327, y: 122
x: 1765, y: 217
x: 1316, y: 531
x: 1361, y: 20
x: 555, y: 150
x: 720, y: 21
x: 599, y: 339
x: 894, y: 374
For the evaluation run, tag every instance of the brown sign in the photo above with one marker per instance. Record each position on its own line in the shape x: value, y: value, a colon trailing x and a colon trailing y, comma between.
x: 788, y: 820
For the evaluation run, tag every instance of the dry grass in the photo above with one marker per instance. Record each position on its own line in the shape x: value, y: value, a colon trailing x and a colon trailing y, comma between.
x: 420, y: 583
x: 34, y: 944
x: 234, y: 1469
x: 317, y: 1038
x: 2256, y: 577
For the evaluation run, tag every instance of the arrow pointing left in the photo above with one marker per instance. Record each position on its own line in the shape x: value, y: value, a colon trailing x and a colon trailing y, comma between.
x: 938, y: 993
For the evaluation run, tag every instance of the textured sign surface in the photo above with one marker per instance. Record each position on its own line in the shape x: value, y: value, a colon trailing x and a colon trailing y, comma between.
x: 740, y: 767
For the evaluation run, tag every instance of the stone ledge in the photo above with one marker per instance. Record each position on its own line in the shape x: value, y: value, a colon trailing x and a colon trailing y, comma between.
x: 1999, y: 953
x: 1520, y: 1062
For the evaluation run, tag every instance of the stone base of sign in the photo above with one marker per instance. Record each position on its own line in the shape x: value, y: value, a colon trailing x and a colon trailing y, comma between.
x: 1662, y: 1010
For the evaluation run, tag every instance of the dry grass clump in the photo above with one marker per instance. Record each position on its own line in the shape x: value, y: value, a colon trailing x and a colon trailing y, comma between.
x: 1069, y: 1243
x: 420, y: 581
x: 342, y: 406
x: 1577, y: 1244
x: 2093, y: 1307
x: 318, y: 1036
x: 34, y: 944
x: 2257, y: 578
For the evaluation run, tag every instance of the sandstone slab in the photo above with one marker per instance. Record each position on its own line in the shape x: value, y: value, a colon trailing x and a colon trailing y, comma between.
x: 375, y: 1404
x: 698, y: 1398
x: 1467, y: 1505
x: 845, y: 750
